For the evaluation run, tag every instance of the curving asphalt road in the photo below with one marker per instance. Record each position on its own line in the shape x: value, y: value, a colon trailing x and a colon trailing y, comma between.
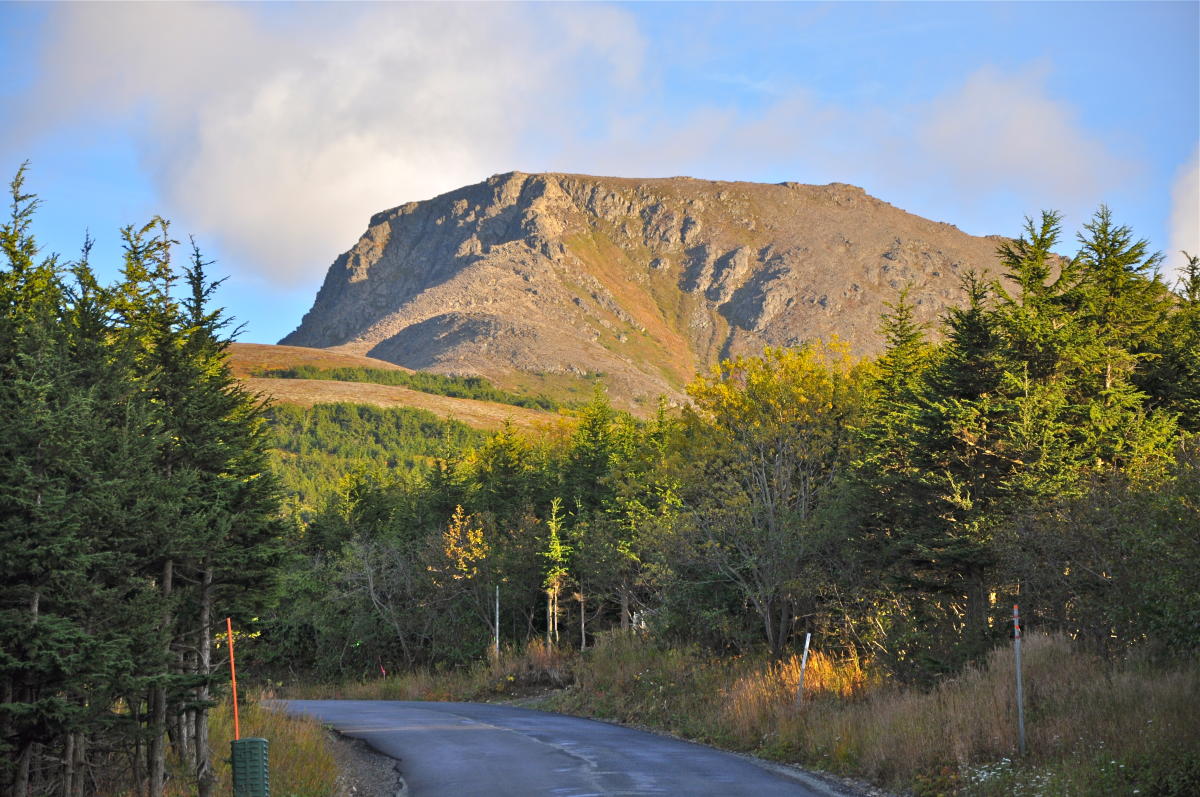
x: 468, y: 749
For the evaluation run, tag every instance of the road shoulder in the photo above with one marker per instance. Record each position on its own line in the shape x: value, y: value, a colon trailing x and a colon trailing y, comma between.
x: 363, y: 771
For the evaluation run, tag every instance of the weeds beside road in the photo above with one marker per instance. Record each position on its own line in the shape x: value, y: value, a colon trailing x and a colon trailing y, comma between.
x: 301, y: 761
x: 1093, y: 727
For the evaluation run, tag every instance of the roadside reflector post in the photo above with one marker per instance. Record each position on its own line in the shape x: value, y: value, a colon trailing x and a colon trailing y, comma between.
x: 1020, y: 693
x: 251, y: 775
x: 803, y: 665
x: 249, y: 760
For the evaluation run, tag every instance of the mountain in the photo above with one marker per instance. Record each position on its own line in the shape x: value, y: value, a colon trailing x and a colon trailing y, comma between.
x: 542, y: 282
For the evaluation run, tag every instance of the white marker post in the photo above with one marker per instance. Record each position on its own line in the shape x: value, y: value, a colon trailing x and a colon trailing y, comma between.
x: 1020, y: 694
x: 497, y: 622
x: 803, y: 665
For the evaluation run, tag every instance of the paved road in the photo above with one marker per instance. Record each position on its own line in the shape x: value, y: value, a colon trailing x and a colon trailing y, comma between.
x: 469, y: 749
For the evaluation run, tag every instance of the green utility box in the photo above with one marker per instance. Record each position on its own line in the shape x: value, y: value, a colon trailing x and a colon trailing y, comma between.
x: 250, y: 772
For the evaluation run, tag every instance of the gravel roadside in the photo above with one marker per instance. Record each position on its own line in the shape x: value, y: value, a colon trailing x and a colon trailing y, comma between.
x: 364, y: 772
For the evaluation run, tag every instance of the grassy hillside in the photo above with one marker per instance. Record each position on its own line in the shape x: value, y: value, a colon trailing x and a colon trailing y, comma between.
x: 248, y: 359
x: 471, y: 387
x: 326, y: 429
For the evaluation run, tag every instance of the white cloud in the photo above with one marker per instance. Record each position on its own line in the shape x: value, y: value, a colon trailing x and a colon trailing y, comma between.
x: 278, y: 134
x: 276, y: 131
x: 1185, y: 213
x: 990, y: 138
x: 1005, y: 132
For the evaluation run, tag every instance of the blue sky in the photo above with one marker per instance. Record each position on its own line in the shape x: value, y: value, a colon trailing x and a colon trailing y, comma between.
x: 272, y: 132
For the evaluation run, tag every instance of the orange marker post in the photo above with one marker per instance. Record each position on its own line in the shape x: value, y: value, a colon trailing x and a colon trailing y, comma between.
x: 237, y: 731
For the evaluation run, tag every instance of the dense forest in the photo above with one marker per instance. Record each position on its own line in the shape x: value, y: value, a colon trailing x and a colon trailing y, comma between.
x: 1039, y: 446
x: 136, y: 513
x: 315, y: 450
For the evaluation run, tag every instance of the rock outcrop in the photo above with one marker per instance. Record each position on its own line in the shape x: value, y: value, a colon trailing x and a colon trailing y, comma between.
x: 541, y: 280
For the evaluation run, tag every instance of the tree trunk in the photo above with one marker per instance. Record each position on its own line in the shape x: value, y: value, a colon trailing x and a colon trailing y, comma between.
x: 38, y: 783
x: 21, y: 785
x: 766, y: 612
x: 977, y: 608
x: 136, y: 756
x: 205, y: 778
x: 179, y: 720
x: 556, y: 615
x: 68, y: 781
x: 624, y: 609
x: 6, y: 782
x: 782, y: 632
x: 80, y: 766
x: 582, y: 620
x: 158, y: 746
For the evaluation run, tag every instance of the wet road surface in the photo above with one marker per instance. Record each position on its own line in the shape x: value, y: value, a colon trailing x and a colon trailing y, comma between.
x: 466, y: 749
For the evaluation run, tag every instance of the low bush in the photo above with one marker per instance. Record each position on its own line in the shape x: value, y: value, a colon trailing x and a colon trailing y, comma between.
x: 514, y: 673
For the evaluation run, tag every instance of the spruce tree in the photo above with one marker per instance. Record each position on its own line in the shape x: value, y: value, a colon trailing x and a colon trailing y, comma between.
x: 1171, y: 377
x: 133, y: 502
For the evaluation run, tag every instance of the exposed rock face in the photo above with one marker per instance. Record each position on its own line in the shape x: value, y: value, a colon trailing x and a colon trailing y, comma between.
x: 529, y: 277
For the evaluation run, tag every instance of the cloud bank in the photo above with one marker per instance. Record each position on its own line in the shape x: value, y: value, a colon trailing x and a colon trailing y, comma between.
x: 1185, y: 213
x: 280, y: 134
x: 277, y: 130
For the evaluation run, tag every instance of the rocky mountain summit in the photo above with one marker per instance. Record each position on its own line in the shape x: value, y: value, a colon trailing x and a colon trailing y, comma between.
x: 540, y: 280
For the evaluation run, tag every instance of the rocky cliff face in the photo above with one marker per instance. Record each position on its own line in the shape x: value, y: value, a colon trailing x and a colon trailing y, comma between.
x: 537, y: 279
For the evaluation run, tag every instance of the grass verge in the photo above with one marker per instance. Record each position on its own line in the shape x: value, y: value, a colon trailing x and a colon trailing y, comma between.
x: 301, y: 763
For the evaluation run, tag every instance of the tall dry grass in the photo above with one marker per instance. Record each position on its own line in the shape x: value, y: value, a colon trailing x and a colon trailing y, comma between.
x: 759, y: 698
x: 301, y: 763
x: 1080, y: 710
x: 1092, y: 727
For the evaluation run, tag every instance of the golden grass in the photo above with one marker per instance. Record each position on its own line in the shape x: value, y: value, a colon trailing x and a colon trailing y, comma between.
x: 246, y: 359
x: 478, y: 414
x: 761, y: 697
x: 301, y: 763
x: 1092, y: 727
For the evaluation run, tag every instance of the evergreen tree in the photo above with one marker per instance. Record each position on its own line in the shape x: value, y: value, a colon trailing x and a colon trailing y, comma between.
x: 888, y: 435
x: 589, y: 458
x: 1123, y: 301
x: 1172, y: 374
x: 557, y: 560
x: 132, y: 494
x: 960, y: 463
